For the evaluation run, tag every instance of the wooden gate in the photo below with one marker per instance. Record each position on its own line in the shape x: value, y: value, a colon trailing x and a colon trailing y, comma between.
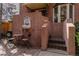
x: 57, y: 29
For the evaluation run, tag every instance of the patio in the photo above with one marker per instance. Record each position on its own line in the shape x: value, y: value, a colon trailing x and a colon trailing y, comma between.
x: 39, y: 34
x: 23, y: 51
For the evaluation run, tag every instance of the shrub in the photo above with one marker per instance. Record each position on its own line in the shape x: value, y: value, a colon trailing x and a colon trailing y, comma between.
x: 77, y: 38
x: 77, y: 26
x: 77, y: 33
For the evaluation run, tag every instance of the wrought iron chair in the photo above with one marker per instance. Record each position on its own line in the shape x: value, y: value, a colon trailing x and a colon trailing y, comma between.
x: 23, y: 39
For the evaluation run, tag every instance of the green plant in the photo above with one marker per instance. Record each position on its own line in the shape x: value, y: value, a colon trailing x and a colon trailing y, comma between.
x: 77, y: 33
x: 77, y: 38
x: 77, y: 26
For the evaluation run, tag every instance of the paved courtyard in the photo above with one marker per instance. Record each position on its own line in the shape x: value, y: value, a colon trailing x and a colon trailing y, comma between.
x: 23, y: 51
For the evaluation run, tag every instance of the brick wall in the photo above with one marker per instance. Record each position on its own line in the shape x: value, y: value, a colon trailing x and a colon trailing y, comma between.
x: 77, y: 12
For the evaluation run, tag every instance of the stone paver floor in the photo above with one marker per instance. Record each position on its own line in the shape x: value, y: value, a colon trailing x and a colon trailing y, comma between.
x: 23, y: 51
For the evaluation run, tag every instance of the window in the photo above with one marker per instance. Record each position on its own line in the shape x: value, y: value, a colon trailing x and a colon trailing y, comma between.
x: 63, y: 12
x: 56, y: 14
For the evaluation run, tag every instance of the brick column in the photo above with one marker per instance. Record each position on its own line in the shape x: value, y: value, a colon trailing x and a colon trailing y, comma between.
x: 44, y: 37
x: 71, y: 39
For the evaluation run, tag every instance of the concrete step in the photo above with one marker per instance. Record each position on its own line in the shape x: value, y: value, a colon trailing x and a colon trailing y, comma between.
x: 57, y: 46
x: 58, y: 43
x: 57, y: 39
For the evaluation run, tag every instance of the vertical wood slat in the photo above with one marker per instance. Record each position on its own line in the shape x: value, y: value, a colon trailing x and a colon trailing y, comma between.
x: 57, y: 29
x: 36, y: 22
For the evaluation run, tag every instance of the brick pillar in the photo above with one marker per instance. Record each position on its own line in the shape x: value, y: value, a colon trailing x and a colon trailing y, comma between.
x: 71, y: 40
x: 44, y: 37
